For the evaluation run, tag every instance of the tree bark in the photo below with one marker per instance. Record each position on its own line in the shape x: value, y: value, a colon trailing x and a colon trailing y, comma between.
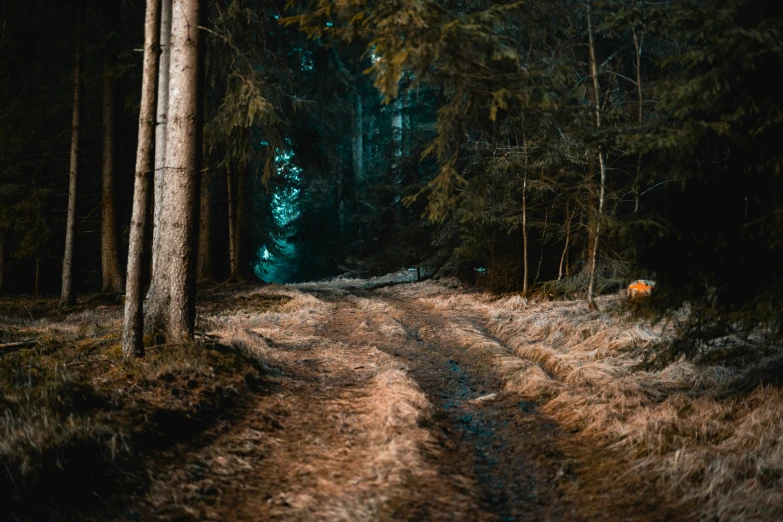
x: 602, y: 164
x: 525, y: 271
x: 242, y: 238
x: 564, y: 256
x: 638, y: 43
x: 67, y: 296
x: 204, y: 243
x: 110, y: 259
x: 2, y: 260
x: 37, y: 275
x: 358, y: 143
x: 406, y: 124
x: 177, y: 239
x: 543, y: 244
x: 397, y: 134
x: 204, y: 270
x: 133, y: 321
x: 156, y: 301
x: 232, y: 224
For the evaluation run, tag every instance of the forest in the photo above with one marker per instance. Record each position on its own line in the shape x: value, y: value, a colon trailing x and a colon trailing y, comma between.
x: 354, y: 260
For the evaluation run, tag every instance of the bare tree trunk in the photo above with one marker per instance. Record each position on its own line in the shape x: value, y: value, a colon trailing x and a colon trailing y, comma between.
x: 242, y: 234
x: 2, y: 260
x: 358, y: 145
x: 397, y: 133
x: 602, y: 164
x: 179, y: 197
x: 525, y: 269
x: 232, y: 224
x: 133, y: 321
x: 204, y: 270
x: 37, y: 274
x: 564, y: 256
x: 543, y: 244
x: 491, y: 271
x: 160, y: 150
x: 204, y: 246
x: 67, y: 296
x: 638, y: 43
x: 406, y: 124
x: 110, y: 259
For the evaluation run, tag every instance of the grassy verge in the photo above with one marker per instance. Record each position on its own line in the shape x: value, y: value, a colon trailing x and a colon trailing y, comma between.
x: 704, y: 437
x: 75, y: 416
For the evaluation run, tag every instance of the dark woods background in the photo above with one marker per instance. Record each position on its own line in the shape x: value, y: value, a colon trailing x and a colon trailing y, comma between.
x: 459, y: 138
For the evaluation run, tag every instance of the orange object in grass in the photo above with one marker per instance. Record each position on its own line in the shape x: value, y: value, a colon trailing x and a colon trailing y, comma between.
x: 640, y: 288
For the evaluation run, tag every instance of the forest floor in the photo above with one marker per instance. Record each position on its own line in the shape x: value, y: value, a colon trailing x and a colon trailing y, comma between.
x: 371, y: 400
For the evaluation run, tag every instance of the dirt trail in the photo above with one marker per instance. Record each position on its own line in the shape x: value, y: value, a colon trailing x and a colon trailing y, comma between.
x: 373, y: 414
x: 502, y: 442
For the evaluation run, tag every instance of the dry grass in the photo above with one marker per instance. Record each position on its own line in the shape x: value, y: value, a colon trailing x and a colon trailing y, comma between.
x: 707, y: 436
x: 360, y: 476
x: 360, y: 415
x: 73, y: 412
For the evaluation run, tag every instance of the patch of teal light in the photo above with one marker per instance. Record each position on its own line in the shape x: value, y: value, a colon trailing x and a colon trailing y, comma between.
x: 306, y: 58
x: 275, y: 267
x: 307, y: 62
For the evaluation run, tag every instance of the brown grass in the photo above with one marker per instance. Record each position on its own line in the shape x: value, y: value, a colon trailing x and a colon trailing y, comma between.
x: 361, y: 418
x: 73, y: 412
x: 707, y: 437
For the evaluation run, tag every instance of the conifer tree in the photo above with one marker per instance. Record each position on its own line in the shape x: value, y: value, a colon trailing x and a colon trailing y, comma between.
x: 178, y: 212
x: 133, y: 320
x: 67, y: 296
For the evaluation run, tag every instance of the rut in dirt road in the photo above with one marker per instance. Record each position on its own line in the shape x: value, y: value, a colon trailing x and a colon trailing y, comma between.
x: 497, y: 441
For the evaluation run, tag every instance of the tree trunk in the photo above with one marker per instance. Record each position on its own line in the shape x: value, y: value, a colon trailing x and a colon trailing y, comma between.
x: 525, y: 270
x: 133, y: 321
x: 204, y: 243
x: 2, y: 260
x: 588, y: 251
x: 177, y: 238
x: 397, y: 134
x: 160, y: 150
x: 564, y: 256
x: 406, y: 124
x: 242, y: 235
x: 204, y: 270
x: 638, y: 43
x: 543, y: 244
x: 110, y: 259
x: 67, y: 296
x: 232, y: 225
x: 358, y: 144
x: 37, y: 275
x: 602, y: 164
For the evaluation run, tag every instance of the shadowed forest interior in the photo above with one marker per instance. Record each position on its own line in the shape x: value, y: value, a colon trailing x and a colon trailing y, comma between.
x: 195, y: 193
x: 467, y: 140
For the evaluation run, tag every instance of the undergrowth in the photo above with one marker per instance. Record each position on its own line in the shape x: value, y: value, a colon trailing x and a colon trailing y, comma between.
x: 704, y: 434
x: 76, y: 418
